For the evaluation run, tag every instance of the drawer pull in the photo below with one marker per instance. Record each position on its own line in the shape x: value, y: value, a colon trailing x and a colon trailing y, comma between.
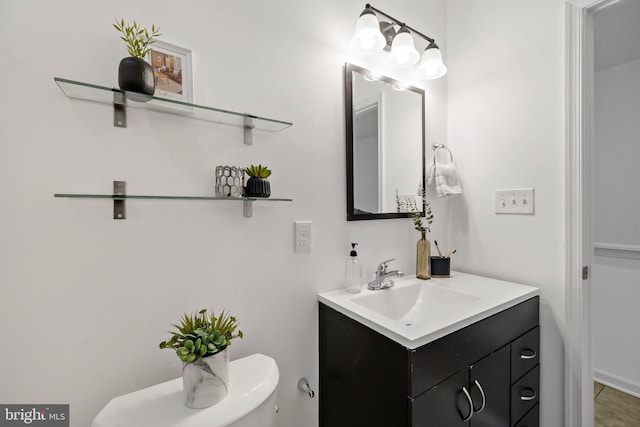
x: 484, y: 399
x: 527, y: 398
x: 466, y: 393
x: 531, y: 354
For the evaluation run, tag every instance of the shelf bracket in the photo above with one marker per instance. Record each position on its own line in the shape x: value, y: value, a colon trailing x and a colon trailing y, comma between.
x: 248, y: 208
x: 119, y: 206
x: 119, y: 110
x: 248, y: 130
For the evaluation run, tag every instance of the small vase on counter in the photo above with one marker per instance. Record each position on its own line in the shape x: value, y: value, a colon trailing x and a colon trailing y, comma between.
x: 423, y: 255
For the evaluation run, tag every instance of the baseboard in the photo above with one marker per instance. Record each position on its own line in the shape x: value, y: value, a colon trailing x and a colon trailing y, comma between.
x: 618, y: 383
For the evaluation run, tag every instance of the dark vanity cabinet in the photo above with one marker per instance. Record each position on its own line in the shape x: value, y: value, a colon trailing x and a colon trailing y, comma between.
x: 484, y: 375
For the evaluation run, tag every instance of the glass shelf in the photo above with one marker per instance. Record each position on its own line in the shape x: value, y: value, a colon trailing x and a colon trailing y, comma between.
x: 119, y: 200
x: 105, y: 95
x: 132, y: 196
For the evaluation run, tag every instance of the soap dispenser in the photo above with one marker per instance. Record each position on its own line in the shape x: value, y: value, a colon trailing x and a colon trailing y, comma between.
x: 353, y: 272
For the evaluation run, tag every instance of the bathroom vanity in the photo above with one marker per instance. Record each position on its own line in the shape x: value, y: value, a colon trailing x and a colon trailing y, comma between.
x: 462, y: 351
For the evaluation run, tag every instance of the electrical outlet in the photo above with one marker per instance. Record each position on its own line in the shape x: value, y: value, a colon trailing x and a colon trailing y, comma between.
x: 302, y: 235
x: 520, y: 201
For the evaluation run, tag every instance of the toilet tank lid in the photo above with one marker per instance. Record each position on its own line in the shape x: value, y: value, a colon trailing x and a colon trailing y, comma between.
x: 253, y: 379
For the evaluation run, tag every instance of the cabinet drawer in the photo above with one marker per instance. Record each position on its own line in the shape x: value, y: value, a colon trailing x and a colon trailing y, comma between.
x: 435, y: 362
x: 525, y: 394
x: 532, y: 419
x: 525, y: 354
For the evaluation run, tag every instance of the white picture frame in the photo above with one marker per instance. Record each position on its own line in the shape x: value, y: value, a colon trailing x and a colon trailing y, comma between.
x: 172, y: 68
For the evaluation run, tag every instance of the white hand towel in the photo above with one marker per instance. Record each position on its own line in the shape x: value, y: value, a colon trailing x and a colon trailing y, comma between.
x: 445, y: 178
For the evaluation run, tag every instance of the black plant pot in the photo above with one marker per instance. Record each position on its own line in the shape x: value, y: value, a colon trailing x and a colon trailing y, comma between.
x: 136, y: 75
x: 257, y: 187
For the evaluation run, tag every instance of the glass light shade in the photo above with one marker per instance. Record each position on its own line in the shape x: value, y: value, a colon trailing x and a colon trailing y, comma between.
x: 403, y: 52
x: 431, y: 65
x: 368, y: 38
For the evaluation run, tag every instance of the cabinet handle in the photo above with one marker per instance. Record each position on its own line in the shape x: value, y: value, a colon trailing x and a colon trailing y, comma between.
x: 527, y: 398
x: 528, y: 356
x: 484, y: 399
x: 466, y: 393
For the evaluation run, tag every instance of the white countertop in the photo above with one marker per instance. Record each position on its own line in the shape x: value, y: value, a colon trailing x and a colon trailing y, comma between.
x: 483, y: 297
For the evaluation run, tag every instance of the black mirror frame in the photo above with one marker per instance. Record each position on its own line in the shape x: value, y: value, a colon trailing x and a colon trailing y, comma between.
x: 348, y: 80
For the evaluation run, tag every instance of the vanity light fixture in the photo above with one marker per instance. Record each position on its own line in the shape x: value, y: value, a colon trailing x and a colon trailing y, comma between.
x: 403, y: 51
x: 373, y: 36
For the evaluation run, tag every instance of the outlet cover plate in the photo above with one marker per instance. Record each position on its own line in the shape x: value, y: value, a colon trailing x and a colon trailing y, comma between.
x: 519, y: 201
x: 302, y: 236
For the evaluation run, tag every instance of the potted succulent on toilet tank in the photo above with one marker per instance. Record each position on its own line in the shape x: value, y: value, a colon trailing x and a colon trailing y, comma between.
x: 134, y: 73
x: 257, y: 184
x: 201, y: 342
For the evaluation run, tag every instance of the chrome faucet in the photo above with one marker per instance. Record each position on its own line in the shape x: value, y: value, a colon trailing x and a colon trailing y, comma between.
x: 384, y: 277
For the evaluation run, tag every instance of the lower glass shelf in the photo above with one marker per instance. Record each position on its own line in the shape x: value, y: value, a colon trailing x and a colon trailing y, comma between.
x: 119, y: 199
x: 132, y: 196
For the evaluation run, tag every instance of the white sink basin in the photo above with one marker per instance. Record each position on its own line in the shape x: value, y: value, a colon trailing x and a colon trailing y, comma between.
x: 415, y: 303
x: 415, y: 312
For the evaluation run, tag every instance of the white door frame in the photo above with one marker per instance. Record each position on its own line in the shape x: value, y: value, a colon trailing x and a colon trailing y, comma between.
x: 578, y: 187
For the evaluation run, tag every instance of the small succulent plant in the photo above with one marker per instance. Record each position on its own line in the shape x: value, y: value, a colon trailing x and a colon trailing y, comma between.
x: 200, y: 335
x: 258, y: 171
x: 411, y: 206
x: 137, y: 38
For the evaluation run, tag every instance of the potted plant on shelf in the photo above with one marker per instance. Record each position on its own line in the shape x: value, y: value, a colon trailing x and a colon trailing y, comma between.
x: 134, y: 73
x: 201, y: 342
x: 423, y: 254
x: 257, y: 184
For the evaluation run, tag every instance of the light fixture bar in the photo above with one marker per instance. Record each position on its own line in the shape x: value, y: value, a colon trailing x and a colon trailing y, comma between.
x: 397, y: 22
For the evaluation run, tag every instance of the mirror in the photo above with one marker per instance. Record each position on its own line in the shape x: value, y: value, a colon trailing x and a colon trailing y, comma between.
x: 385, y: 144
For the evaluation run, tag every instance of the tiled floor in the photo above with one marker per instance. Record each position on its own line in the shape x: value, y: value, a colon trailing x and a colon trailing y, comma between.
x: 615, y: 409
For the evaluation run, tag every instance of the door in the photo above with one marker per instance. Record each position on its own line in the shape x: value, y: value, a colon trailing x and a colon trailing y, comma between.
x: 478, y: 396
x: 490, y: 388
x: 445, y: 405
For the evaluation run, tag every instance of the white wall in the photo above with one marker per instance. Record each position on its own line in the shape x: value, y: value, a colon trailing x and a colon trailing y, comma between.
x: 84, y: 299
x: 616, y: 207
x: 506, y: 130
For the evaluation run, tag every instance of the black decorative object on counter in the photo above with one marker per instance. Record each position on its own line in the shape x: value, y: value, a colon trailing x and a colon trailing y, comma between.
x: 136, y: 75
x: 257, y: 187
x: 257, y: 184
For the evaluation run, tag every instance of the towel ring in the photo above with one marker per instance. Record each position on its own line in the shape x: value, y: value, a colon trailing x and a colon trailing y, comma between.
x: 437, y: 147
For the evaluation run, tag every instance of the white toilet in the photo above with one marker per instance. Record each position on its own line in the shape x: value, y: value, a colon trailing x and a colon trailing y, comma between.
x: 251, y: 401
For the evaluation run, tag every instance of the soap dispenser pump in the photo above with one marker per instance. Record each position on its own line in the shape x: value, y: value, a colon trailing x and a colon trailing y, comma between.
x: 353, y: 272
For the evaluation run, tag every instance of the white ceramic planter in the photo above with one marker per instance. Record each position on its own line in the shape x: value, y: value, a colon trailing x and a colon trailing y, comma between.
x: 206, y: 382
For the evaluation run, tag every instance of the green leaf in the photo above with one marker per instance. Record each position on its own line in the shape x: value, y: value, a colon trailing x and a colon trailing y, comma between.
x: 191, y: 358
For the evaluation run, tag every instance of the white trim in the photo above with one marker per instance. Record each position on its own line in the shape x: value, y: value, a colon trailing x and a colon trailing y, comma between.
x: 620, y: 384
x: 616, y: 250
x: 616, y: 247
x: 578, y: 401
x: 579, y: 143
x: 573, y: 360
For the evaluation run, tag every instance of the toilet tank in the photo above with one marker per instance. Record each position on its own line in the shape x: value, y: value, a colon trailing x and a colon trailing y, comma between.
x: 253, y: 392
x: 250, y: 402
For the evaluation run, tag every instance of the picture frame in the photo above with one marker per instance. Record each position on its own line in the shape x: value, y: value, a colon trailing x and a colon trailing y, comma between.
x: 172, y: 68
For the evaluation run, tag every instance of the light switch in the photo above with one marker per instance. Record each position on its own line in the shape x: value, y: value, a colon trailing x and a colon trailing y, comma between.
x: 519, y: 201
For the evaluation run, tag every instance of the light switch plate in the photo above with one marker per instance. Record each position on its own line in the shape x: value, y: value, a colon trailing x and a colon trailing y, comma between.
x: 519, y: 201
